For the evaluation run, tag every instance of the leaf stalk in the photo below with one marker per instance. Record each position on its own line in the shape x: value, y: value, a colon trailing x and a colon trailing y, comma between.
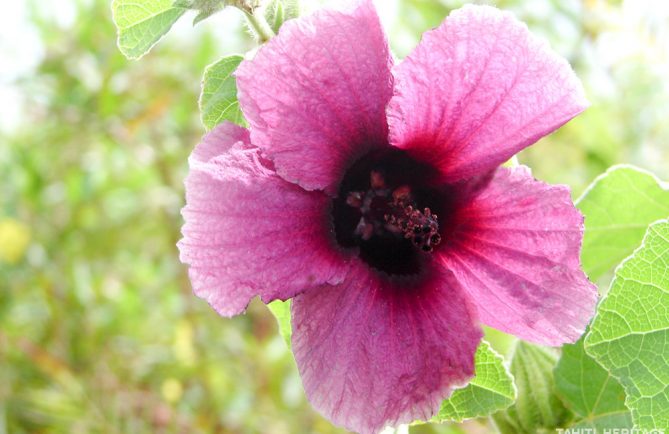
x: 260, y: 26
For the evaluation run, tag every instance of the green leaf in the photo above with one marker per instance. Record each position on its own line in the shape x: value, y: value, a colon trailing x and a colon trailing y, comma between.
x: 630, y: 333
x: 596, y: 398
x: 141, y: 23
x: 218, y: 100
x: 618, y: 207
x: 281, y: 311
x: 491, y: 390
x: 537, y: 406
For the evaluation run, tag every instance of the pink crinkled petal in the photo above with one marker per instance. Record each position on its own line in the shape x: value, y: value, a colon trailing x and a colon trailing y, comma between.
x: 248, y: 232
x: 315, y: 95
x: 373, y: 352
x: 515, y: 249
x: 477, y: 90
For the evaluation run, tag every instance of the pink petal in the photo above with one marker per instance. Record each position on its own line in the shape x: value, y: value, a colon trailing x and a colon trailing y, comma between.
x: 515, y: 249
x: 477, y: 90
x: 248, y: 232
x: 372, y: 352
x: 315, y: 95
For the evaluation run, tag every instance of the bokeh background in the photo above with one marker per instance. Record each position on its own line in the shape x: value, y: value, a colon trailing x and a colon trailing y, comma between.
x: 99, y: 330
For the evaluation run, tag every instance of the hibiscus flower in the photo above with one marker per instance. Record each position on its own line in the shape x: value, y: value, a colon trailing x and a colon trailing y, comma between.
x: 372, y: 195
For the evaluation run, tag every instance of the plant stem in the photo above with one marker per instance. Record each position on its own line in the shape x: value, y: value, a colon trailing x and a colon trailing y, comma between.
x: 260, y: 26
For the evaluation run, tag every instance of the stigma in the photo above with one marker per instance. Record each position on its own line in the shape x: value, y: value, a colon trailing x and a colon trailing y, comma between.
x: 392, y: 212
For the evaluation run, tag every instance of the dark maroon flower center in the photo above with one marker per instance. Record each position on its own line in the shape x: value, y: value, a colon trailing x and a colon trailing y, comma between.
x: 389, y: 208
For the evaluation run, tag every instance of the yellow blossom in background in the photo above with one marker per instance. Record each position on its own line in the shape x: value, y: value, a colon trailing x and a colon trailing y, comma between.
x: 14, y: 240
x: 183, y: 347
x: 171, y: 390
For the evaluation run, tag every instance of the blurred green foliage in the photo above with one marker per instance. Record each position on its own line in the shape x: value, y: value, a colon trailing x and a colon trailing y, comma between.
x: 99, y: 330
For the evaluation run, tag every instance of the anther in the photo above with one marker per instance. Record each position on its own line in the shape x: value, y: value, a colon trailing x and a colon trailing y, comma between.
x: 400, y: 216
x: 354, y: 199
x: 402, y: 194
x: 376, y: 180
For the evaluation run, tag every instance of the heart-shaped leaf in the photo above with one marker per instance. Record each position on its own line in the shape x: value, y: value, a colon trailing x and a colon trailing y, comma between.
x: 630, y: 333
x: 218, y: 100
x: 491, y: 390
x: 618, y: 207
x: 141, y: 23
x: 590, y: 391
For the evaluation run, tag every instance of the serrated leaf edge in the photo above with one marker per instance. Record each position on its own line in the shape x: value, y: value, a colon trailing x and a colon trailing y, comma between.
x: 505, y: 364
